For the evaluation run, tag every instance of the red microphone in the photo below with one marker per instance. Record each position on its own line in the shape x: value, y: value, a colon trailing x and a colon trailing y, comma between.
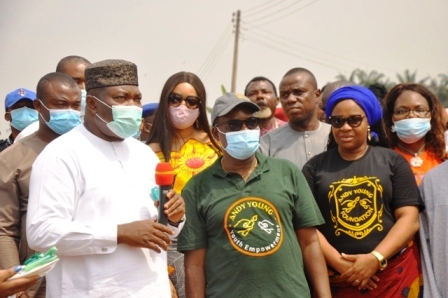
x: 164, y: 179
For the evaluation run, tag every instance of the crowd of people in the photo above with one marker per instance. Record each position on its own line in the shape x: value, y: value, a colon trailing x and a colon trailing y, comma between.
x: 302, y: 192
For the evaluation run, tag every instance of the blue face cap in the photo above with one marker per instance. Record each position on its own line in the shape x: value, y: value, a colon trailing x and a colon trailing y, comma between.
x: 13, y: 97
x: 149, y: 109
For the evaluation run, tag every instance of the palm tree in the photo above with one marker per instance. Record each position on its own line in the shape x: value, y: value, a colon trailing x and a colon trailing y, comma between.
x: 409, y: 77
x: 361, y: 77
x: 437, y: 85
x: 440, y: 88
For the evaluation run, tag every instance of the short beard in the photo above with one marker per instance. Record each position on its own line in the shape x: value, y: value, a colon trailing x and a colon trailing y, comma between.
x: 264, y: 113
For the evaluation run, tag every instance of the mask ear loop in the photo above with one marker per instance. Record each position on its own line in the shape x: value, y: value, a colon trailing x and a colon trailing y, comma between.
x: 103, y: 104
x: 220, y: 130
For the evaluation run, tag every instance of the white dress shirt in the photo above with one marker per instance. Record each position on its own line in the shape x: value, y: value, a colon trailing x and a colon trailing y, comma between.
x: 81, y: 188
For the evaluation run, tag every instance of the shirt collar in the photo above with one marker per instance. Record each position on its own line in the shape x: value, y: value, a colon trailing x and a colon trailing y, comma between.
x: 262, y: 166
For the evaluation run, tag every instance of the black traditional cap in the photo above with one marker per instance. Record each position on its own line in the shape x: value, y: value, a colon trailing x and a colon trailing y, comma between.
x: 111, y: 73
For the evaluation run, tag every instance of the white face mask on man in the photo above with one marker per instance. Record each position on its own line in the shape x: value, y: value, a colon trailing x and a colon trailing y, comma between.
x: 126, y: 119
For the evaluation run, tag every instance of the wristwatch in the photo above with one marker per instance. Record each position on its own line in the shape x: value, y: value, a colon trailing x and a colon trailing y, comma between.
x: 382, y: 260
x: 176, y: 224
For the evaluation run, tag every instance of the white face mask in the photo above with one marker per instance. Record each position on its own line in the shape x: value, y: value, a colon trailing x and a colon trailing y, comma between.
x: 126, y: 120
x: 412, y: 129
x: 183, y: 117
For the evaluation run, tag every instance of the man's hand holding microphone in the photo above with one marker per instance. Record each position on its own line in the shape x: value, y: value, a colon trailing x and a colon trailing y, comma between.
x: 153, y: 234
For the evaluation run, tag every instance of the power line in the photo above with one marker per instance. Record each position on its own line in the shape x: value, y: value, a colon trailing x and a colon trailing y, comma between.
x: 215, y: 60
x: 217, y: 49
x: 275, y: 12
x: 269, y: 34
x: 285, y: 15
x: 263, y: 43
x: 294, y: 47
x: 213, y: 52
x: 257, y: 7
x: 217, y: 56
x: 273, y: 3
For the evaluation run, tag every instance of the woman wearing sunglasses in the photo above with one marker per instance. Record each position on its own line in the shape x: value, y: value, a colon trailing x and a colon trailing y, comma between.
x: 370, y: 203
x: 181, y: 135
x: 414, y: 125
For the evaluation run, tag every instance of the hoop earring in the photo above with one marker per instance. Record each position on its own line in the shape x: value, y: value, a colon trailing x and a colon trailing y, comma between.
x: 369, y: 137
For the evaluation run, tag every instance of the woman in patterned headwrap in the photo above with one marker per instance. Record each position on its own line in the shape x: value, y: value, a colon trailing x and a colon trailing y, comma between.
x: 370, y: 203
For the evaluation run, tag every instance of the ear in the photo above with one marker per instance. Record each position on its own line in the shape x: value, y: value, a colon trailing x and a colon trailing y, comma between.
x: 317, y: 93
x: 8, y: 116
x: 37, y: 105
x: 147, y: 127
x: 91, y: 103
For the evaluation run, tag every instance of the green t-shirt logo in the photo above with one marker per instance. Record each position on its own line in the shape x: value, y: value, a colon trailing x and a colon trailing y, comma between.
x: 253, y: 227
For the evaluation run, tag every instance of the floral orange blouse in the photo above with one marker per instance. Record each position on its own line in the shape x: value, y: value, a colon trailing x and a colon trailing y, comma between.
x: 192, y: 158
x: 429, y: 160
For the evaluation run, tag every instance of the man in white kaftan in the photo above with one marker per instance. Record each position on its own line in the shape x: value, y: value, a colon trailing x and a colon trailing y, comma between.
x: 90, y: 197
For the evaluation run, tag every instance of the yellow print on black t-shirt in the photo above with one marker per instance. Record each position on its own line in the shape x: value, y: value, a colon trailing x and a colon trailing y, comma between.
x: 357, y: 207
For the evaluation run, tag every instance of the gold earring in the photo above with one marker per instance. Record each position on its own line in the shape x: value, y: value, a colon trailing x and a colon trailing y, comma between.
x: 369, y: 137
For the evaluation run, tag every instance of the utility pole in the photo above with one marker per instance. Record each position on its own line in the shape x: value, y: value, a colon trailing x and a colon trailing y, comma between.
x: 235, y: 49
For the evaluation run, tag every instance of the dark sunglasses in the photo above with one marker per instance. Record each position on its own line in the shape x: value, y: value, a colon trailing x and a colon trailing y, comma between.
x: 236, y: 124
x: 192, y: 102
x: 353, y: 121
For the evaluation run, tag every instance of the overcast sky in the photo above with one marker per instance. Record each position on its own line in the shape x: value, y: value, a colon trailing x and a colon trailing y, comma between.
x: 163, y: 37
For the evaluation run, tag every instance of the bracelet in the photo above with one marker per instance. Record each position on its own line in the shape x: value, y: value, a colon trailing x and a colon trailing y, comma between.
x: 176, y: 224
x: 381, y: 260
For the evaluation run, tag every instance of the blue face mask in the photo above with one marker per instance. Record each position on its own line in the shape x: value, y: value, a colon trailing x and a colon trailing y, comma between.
x: 242, y: 144
x: 137, y: 134
x: 126, y: 120
x: 62, y: 121
x: 23, y: 117
x: 412, y: 129
x: 83, y: 102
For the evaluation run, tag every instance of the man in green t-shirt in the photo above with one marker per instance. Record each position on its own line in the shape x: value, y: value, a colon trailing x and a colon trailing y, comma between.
x: 250, y: 229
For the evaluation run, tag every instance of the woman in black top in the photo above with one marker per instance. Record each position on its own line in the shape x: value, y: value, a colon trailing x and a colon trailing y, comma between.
x: 369, y: 200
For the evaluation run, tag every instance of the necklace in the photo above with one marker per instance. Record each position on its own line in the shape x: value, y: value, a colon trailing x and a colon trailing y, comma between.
x: 248, y: 172
x: 416, y: 161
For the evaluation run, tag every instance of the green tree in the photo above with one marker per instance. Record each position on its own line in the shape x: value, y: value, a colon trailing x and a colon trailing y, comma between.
x: 409, y: 77
x: 440, y: 88
x: 438, y: 85
x: 361, y: 77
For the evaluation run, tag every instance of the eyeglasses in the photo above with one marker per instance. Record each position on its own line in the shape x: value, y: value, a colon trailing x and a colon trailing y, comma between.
x: 192, y: 102
x: 419, y: 113
x: 353, y: 121
x: 236, y: 124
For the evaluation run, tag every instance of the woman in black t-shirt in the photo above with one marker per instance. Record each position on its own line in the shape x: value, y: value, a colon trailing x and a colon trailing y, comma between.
x: 370, y: 202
